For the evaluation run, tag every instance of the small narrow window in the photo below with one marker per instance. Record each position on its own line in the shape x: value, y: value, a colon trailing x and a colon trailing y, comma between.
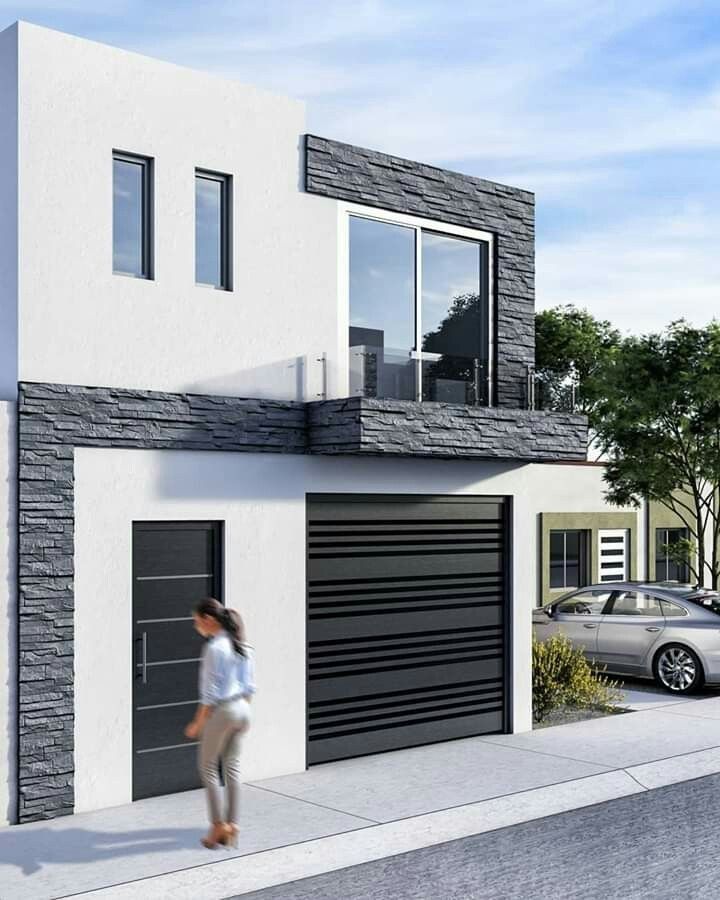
x: 212, y: 229
x: 132, y: 215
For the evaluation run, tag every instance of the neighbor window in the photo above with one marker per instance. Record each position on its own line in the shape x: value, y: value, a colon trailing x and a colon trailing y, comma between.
x: 419, y: 313
x: 667, y: 569
x: 568, y: 559
x: 212, y: 229
x: 132, y: 215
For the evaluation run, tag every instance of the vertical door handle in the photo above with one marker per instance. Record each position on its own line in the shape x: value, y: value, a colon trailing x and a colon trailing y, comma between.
x: 143, y: 659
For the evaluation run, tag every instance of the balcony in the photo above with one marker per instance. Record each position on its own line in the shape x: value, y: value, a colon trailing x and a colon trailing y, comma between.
x: 380, y: 373
x: 377, y: 426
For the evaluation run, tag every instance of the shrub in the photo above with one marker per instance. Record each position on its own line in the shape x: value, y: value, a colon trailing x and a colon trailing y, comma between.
x: 563, y: 677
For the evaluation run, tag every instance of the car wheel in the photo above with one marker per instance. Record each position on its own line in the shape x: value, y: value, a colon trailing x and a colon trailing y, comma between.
x: 678, y: 669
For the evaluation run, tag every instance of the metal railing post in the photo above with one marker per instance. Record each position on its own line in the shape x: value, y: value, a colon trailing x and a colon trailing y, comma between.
x: 323, y: 363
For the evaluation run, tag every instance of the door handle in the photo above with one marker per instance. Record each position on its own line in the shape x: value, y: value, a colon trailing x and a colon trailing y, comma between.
x: 143, y: 659
x: 589, y: 624
x: 653, y: 628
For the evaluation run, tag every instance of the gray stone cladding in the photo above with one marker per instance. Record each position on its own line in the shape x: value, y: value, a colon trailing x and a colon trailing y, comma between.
x: 52, y: 421
x: 391, y: 428
x: 346, y: 172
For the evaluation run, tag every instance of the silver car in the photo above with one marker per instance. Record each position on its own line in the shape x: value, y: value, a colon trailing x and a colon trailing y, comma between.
x: 666, y: 631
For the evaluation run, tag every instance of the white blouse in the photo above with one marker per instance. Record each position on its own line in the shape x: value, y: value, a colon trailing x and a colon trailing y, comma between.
x: 225, y: 673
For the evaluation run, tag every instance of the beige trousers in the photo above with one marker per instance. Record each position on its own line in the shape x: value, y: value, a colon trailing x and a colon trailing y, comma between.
x: 220, y: 742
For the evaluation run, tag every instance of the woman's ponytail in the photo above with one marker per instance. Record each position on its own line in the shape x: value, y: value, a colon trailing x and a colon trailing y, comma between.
x: 228, y: 619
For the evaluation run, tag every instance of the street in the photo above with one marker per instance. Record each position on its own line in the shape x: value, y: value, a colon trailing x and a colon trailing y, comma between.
x: 658, y: 845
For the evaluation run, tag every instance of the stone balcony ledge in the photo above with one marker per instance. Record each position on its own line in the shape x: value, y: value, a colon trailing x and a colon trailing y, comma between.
x: 363, y: 426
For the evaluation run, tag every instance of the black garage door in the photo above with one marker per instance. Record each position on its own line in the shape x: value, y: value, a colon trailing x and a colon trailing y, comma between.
x: 175, y: 564
x: 407, y: 621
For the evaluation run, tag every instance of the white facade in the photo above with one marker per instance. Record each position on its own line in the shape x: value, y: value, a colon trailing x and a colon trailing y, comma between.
x: 261, y: 499
x: 8, y: 214
x: 79, y: 323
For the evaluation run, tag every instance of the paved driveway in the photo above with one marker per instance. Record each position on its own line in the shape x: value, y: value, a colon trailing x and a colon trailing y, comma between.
x: 340, y: 814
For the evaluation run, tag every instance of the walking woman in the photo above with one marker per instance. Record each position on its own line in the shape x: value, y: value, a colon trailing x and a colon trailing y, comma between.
x: 227, y: 681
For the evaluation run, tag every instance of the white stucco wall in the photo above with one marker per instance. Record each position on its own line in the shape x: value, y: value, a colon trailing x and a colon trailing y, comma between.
x: 8, y: 213
x: 81, y: 324
x: 261, y: 499
x: 8, y: 618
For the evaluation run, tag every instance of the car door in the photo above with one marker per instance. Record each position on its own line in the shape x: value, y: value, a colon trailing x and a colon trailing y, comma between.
x: 630, y: 628
x: 578, y: 617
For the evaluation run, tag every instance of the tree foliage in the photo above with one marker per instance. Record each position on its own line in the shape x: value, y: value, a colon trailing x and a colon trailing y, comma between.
x: 655, y: 404
x: 571, y: 345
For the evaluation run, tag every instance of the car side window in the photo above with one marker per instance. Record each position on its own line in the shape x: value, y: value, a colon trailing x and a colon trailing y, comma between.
x: 635, y: 603
x: 672, y: 609
x: 584, y: 603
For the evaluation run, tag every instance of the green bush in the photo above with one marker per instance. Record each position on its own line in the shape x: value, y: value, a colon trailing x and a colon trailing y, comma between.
x: 563, y: 677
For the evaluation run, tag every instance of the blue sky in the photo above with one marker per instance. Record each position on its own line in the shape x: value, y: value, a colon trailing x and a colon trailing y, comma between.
x: 609, y: 111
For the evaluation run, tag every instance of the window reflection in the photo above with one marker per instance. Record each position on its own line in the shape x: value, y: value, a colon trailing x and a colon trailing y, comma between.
x: 451, y: 363
x: 382, y: 309
x: 454, y: 319
x: 212, y: 229
x: 128, y: 216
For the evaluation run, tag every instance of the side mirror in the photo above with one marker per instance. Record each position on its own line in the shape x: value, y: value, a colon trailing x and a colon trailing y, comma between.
x: 549, y: 611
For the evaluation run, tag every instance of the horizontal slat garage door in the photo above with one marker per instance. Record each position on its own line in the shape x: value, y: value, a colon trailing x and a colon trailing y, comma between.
x: 406, y: 621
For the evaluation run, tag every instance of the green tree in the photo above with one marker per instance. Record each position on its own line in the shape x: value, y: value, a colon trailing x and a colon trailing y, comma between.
x: 656, y: 417
x: 570, y: 346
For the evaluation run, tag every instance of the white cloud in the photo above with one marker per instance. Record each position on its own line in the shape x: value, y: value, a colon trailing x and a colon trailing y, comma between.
x: 641, y: 273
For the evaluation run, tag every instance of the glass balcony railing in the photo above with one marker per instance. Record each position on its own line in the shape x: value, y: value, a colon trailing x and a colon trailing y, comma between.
x: 383, y: 372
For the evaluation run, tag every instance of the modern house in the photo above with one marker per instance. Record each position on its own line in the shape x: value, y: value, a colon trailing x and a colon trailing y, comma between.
x: 244, y: 361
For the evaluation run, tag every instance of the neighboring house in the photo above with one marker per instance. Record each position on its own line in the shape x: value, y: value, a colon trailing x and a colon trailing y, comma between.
x: 241, y: 360
x: 580, y: 548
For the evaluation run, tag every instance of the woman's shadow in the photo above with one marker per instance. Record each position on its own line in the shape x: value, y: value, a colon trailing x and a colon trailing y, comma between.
x: 30, y: 850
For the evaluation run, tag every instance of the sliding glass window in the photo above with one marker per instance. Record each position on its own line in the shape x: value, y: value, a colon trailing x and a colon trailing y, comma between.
x: 419, y: 313
x: 213, y: 229
x: 454, y: 319
x: 132, y: 215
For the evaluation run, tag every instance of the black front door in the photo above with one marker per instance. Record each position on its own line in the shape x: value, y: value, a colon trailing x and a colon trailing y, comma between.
x: 407, y: 621
x: 175, y: 564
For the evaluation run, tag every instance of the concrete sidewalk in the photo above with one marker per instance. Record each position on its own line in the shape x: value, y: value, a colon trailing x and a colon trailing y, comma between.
x: 341, y: 814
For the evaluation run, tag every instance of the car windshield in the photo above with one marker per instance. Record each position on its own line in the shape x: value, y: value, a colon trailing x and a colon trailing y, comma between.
x: 707, y: 599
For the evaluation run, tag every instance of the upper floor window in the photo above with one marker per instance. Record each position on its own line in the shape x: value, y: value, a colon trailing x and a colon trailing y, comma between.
x: 419, y: 313
x: 132, y: 215
x: 212, y: 229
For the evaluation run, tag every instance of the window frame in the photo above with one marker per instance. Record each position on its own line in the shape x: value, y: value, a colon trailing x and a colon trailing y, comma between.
x: 418, y: 224
x: 583, y: 558
x: 665, y: 560
x: 147, y: 204
x: 226, y: 226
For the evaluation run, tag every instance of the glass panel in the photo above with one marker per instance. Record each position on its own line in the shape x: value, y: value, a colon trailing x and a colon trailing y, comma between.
x: 454, y: 319
x: 208, y: 231
x: 586, y: 603
x: 382, y: 309
x: 557, y: 559
x: 128, y: 215
x: 635, y: 603
x: 382, y: 371
x: 672, y: 609
x: 572, y: 558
